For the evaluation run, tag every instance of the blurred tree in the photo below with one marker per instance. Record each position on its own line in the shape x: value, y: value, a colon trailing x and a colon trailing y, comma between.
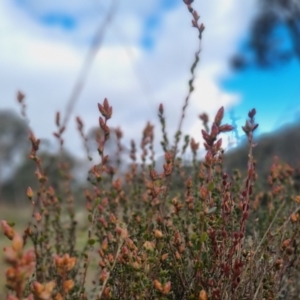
x: 284, y: 143
x: 13, y: 143
x: 112, y: 146
x: 14, y: 189
x: 274, y: 35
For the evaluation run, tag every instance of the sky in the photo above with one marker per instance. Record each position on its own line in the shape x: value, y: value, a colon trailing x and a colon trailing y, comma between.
x: 144, y: 60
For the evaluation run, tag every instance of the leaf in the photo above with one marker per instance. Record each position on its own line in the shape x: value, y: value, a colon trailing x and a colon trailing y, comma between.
x: 91, y: 242
x: 210, y: 186
x: 203, y: 237
x: 211, y: 210
x: 90, y: 218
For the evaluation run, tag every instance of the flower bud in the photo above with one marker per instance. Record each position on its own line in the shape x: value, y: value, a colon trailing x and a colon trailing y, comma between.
x: 157, y: 285
x: 166, y: 288
x: 68, y: 285
x: 203, y: 295
x: 17, y: 242
x: 7, y: 230
x: 29, y: 193
x: 158, y: 234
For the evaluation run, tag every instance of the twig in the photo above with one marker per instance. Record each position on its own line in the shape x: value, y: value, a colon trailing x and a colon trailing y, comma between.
x: 111, y: 269
x: 258, y: 288
x: 269, y: 228
x: 98, y: 39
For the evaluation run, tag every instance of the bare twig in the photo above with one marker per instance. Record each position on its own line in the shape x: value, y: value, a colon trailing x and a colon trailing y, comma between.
x: 269, y: 228
x: 121, y: 242
x: 95, y: 46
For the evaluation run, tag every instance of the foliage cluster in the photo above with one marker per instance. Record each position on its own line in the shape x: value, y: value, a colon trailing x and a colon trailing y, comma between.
x: 219, y: 237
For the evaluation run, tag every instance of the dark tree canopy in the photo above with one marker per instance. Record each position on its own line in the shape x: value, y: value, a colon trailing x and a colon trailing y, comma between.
x: 274, y: 36
x: 13, y: 136
x: 14, y: 189
x: 17, y: 171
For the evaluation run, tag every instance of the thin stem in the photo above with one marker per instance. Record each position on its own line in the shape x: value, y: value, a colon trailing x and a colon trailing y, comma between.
x: 111, y: 269
x: 95, y: 46
x: 269, y: 228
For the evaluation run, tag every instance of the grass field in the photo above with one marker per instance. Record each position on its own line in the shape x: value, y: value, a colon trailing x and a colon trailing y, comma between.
x: 21, y: 216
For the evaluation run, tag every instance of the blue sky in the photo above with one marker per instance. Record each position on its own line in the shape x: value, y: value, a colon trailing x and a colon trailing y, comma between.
x: 153, y: 21
x: 275, y: 93
x: 44, y: 44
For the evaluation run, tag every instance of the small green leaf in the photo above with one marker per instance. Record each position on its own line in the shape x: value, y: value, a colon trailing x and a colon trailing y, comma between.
x: 193, y: 237
x: 91, y: 242
x: 210, y: 186
x: 211, y: 210
x: 90, y: 218
x: 203, y: 237
x: 158, y: 183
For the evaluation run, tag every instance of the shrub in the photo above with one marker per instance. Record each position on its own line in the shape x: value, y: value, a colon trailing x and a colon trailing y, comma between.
x: 217, y: 237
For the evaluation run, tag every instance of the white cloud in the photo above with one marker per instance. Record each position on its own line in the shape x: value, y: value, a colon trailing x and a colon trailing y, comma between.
x: 44, y: 63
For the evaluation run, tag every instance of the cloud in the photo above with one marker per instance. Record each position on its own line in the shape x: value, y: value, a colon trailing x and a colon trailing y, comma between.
x: 43, y: 60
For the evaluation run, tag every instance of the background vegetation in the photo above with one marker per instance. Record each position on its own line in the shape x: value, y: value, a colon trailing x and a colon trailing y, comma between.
x: 225, y: 226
